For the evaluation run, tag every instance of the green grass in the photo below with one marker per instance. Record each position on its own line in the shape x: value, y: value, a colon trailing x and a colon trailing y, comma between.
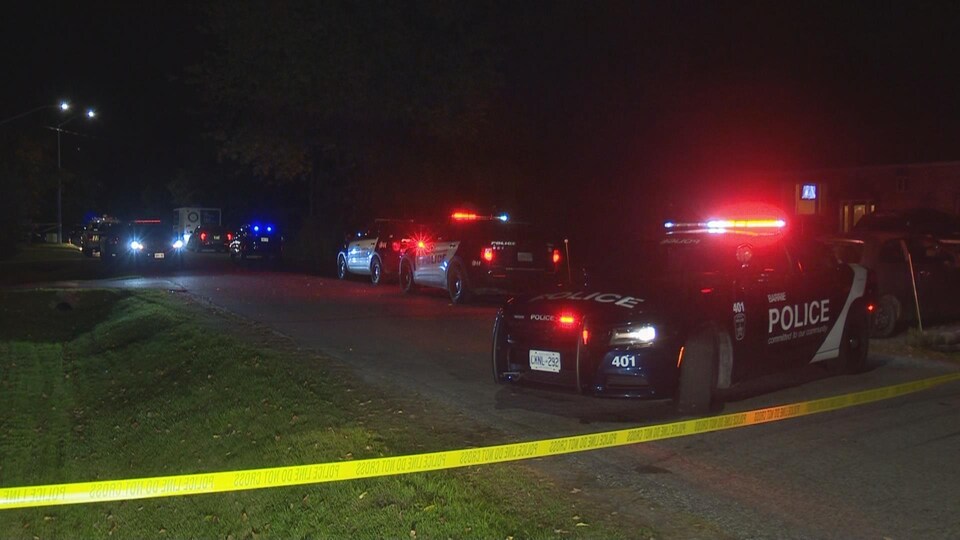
x: 138, y: 384
x: 37, y: 263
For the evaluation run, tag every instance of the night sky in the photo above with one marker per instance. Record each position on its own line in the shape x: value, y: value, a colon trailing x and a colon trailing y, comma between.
x: 600, y: 103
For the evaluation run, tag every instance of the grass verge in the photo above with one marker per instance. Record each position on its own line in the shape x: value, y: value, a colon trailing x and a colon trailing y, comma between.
x: 99, y: 385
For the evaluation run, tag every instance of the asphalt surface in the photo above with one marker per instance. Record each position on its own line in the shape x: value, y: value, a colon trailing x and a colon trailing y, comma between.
x: 883, y: 470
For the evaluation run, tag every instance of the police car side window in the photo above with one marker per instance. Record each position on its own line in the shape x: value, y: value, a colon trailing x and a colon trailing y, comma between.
x: 770, y: 259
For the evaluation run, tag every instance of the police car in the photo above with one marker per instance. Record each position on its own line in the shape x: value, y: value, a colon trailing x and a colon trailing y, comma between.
x: 256, y: 240
x: 141, y: 241
x: 473, y: 254
x: 375, y: 251
x: 689, y: 314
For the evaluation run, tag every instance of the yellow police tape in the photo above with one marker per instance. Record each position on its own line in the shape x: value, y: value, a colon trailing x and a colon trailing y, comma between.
x: 218, y: 482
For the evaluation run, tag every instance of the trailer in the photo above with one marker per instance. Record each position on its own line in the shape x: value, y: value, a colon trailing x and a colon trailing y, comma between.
x: 187, y: 219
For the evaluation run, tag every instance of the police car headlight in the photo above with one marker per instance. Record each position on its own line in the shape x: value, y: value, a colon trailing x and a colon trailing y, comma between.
x: 633, y: 335
x: 136, y: 246
x: 178, y: 244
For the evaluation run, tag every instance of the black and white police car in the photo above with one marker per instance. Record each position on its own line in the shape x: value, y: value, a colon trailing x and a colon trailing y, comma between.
x: 375, y: 251
x: 687, y: 315
x: 473, y: 254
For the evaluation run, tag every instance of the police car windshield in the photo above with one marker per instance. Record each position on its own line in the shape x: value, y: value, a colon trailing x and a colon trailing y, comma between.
x: 674, y: 259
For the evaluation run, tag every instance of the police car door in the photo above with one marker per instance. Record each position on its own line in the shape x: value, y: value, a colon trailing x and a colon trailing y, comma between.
x: 360, y: 250
x: 768, y: 289
x: 432, y: 261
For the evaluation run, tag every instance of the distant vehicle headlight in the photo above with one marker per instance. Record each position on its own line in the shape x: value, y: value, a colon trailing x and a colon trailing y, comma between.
x: 178, y: 244
x: 633, y: 335
x: 136, y: 246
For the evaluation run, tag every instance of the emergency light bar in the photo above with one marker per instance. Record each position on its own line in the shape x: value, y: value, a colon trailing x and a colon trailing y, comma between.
x: 725, y: 225
x: 470, y: 216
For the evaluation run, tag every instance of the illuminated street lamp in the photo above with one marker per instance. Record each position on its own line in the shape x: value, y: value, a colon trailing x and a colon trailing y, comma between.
x: 63, y: 106
x: 90, y: 114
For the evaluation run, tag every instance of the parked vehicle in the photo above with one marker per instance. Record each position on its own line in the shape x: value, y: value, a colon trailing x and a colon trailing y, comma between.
x: 209, y: 237
x: 257, y: 240
x: 375, y: 251
x: 936, y: 270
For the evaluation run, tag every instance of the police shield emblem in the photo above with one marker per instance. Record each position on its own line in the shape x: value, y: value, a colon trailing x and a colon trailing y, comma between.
x: 739, y: 325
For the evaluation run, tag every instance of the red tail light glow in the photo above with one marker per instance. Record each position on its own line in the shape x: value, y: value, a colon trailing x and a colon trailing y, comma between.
x: 464, y: 216
x: 395, y: 246
x: 487, y: 254
x: 421, y: 244
x: 567, y: 319
x: 556, y: 256
x: 586, y: 336
x: 229, y: 237
x: 203, y: 237
x: 870, y: 308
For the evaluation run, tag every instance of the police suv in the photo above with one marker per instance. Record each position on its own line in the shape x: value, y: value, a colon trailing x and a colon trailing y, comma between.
x: 473, y: 254
x: 687, y: 315
x: 375, y: 252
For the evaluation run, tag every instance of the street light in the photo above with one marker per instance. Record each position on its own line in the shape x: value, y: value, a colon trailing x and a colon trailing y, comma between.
x: 90, y: 114
x: 63, y: 106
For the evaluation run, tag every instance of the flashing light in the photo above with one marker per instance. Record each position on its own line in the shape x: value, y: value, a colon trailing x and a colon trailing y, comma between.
x: 269, y: 228
x: 136, y: 246
x: 669, y: 225
x: 64, y: 106
x: 421, y: 244
x: 556, y: 256
x: 706, y: 290
x: 178, y: 244
x: 256, y: 228
x: 487, y: 254
x: 870, y: 308
x: 464, y: 216
x: 91, y: 113
x: 567, y: 319
x: 503, y: 217
x: 229, y: 237
x: 746, y: 224
x: 586, y: 336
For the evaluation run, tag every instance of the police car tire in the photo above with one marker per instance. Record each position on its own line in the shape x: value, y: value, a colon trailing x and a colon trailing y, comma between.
x: 376, y: 271
x: 855, y: 343
x: 884, y: 321
x: 341, y: 267
x: 698, y: 373
x: 457, y: 285
x: 407, y: 285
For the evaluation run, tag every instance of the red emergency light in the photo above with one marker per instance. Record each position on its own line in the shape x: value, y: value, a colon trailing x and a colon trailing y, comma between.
x: 487, y: 254
x: 465, y: 216
x: 567, y: 320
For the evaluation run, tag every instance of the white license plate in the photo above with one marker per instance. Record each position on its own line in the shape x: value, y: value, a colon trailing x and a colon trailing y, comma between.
x: 524, y: 256
x: 264, y: 239
x: 216, y: 237
x: 94, y: 238
x: 545, y: 361
x: 158, y: 255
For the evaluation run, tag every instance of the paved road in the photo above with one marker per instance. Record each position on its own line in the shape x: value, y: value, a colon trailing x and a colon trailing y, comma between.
x: 885, y: 470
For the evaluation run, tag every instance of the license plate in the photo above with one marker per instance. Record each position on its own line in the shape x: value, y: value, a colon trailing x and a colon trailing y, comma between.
x: 524, y: 256
x: 545, y: 361
x: 264, y: 239
x: 94, y: 238
x: 158, y: 255
x: 217, y: 237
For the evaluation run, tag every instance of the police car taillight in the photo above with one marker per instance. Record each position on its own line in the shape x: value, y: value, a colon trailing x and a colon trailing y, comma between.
x: 203, y: 237
x: 395, y: 246
x: 465, y: 216
x: 567, y: 320
x: 556, y: 256
x: 487, y: 254
x: 229, y: 237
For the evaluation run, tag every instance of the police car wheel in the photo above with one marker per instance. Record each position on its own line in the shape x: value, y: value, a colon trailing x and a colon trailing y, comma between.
x: 406, y: 278
x: 855, y: 343
x: 883, y: 323
x: 376, y: 271
x: 698, y: 373
x: 341, y: 267
x: 457, y: 285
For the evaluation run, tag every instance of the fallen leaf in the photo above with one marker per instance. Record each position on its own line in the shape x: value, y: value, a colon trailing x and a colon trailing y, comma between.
x: 362, y: 495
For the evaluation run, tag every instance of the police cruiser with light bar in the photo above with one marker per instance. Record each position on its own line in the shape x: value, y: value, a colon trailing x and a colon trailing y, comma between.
x: 375, y: 252
x: 689, y: 314
x: 474, y: 254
